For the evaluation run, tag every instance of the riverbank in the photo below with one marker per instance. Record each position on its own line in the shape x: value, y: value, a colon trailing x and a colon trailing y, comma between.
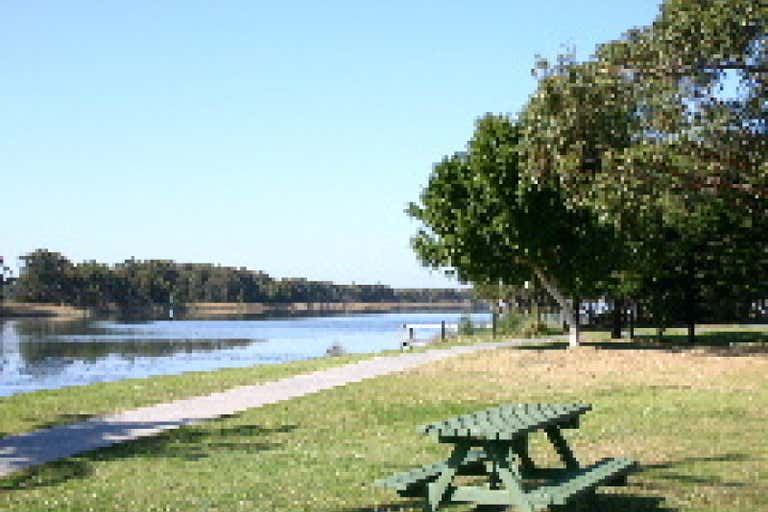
x: 693, y: 419
x: 214, y: 310
x: 210, y: 310
x: 25, y: 412
x: 12, y: 310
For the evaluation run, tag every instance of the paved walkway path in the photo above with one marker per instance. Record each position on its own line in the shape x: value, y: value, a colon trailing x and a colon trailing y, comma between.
x: 35, y: 448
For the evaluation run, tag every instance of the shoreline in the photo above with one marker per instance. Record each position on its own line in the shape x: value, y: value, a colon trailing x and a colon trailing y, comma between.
x: 213, y: 310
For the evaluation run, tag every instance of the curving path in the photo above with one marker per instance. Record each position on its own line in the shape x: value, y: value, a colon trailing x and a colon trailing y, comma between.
x: 41, y: 446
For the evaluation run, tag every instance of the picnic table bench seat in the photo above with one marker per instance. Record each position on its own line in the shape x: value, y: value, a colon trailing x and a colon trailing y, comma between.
x: 605, y: 472
x: 502, y: 434
x: 412, y: 483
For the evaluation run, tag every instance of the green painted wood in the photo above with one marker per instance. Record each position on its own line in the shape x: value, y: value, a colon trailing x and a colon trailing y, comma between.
x: 582, y: 481
x: 413, y: 482
x: 502, y: 432
x: 480, y: 496
x: 520, y: 446
x: 506, y: 422
x: 507, y: 473
x: 565, y: 453
x: 438, y: 490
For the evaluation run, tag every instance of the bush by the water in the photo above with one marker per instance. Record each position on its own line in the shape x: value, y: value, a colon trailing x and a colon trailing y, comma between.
x: 335, y: 350
x: 466, y: 325
x: 512, y: 323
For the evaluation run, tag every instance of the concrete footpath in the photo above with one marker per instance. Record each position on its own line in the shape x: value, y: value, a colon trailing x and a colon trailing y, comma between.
x: 35, y: 448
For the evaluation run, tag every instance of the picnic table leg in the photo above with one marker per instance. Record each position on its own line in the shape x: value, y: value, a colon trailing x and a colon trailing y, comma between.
x: 566, y: 455
x: 591, y: 499
x: 436, y: 490
x: 506, y: 466
x: 520, y: 446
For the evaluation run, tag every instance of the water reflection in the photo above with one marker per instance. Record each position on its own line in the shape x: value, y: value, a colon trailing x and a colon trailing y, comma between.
x: 33, y: 328
x: 41, y: 354
x: 92, y: 350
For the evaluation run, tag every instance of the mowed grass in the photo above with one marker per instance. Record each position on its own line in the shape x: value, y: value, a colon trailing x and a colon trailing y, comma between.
x: 694, y: 420
x: 41, y: 409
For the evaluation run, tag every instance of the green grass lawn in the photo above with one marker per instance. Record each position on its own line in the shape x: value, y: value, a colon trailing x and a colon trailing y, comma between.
x: 40, y: 409
x: 701, y: 443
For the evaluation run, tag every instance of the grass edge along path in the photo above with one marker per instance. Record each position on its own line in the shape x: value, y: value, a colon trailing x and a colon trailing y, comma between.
x: 36, y: 410
x: 47, y: 445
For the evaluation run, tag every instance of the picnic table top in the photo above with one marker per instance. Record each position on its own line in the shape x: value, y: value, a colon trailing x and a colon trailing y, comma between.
x: 506, y: 422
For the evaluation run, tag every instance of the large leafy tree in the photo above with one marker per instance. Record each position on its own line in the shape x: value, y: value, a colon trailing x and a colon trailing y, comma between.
x: 644, y: 137
x: 480, y: 221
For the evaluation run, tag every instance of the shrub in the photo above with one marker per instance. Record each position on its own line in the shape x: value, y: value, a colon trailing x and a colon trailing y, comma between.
x: 466, y: 326
x: 335, y: 350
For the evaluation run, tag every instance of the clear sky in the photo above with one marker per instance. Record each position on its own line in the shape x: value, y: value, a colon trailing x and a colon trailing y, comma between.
x: 286, y: 137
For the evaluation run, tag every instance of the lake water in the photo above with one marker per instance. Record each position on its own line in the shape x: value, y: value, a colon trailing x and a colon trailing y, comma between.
x: 44, y: 354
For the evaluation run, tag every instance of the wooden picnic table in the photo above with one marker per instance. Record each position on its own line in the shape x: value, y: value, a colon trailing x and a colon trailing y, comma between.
x: 501, y: 436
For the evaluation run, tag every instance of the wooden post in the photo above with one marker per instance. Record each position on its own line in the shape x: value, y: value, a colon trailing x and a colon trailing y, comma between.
x: 493, y: 323
x: 410, y: 334
x: 442, y: 330
x: 618, y: 310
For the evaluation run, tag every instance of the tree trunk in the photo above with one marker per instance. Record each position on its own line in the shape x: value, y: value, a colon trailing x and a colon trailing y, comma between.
x: 618, y: 306
x: 691, y: 298
x: 568, y: 312
x: 631, y: 313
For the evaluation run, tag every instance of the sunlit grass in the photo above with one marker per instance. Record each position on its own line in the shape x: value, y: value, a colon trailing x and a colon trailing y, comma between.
x: 40, y: 409
x: 695, y: 423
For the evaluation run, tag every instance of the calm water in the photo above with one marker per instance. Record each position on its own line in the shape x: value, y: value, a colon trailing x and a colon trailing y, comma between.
x: 43, y: 354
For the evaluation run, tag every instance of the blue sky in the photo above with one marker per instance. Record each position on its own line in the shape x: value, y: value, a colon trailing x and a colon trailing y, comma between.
x: 286, y: 137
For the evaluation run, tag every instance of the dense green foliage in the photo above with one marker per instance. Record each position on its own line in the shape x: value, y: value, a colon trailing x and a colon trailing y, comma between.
x: 644, y: 135
x: 50, y: 277
x: 631, y: 175
x: 479, y: 219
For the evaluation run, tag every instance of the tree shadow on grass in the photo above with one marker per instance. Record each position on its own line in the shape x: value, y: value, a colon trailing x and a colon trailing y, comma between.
x: 608, y: 502
x: 609, y: 345
x: 726, y: 457
x: 190, y: 443
x: 630, y: 503
x: 63, y: 419
x: 605, y: 503
x: 47, y: 475
x: 713, y: 480
x: 403, y: 506
x: 719, y: 343
x: 195, y: 442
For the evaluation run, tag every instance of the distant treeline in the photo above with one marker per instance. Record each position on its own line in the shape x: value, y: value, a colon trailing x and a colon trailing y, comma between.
x: 48, y: 276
